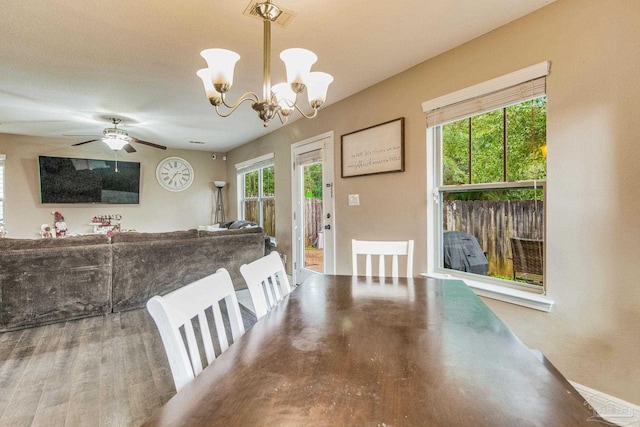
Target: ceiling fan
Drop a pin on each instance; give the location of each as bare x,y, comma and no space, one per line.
118,139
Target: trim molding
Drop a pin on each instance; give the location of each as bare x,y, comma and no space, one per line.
609,409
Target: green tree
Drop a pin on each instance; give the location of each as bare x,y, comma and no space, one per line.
313,181
474,149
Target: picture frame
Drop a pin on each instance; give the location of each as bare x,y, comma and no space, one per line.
373,150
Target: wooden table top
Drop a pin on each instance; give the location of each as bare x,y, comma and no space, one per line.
347,351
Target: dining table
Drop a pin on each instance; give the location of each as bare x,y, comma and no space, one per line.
362,351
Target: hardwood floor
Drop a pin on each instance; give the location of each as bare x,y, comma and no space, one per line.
109,370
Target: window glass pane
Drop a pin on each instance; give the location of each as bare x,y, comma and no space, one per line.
251,184
455,152
268,182
479,228
252,211
526,137
487,147
269,215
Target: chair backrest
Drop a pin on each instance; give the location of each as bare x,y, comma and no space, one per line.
527,256
178,309
382,249
267,281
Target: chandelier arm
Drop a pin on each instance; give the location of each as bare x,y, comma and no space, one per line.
311,116
247,96
283,119
233,107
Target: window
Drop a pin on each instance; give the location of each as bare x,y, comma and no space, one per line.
256,192
2,225
488,151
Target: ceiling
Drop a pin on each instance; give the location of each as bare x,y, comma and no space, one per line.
67,66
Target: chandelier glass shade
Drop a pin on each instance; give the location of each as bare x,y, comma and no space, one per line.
278,100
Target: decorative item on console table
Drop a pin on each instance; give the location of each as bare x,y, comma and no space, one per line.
106,224
60,224
45,231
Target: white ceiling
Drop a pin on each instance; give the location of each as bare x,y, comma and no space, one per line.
66,66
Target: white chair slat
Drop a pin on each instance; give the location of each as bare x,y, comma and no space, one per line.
218,322
205,334
267,281
177,309
381,249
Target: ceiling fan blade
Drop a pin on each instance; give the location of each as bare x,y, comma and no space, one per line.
85,142
150,144
129,149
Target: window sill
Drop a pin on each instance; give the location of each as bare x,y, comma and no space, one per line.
501,293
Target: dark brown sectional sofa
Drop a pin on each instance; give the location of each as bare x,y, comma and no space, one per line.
52,280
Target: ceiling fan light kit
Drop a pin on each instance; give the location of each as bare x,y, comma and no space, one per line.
279,100
117,139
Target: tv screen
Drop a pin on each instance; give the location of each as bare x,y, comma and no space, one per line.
69,180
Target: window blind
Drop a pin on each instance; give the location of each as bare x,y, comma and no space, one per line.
309,157
491,101
255,164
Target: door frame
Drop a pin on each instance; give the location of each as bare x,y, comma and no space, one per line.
325,142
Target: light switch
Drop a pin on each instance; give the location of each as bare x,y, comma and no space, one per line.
354,200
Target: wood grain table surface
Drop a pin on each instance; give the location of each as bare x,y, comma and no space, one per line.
344,351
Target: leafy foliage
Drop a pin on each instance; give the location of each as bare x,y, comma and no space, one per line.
474,149
313,181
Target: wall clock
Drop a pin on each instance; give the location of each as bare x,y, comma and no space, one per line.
174,174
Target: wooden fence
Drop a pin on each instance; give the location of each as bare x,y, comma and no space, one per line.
252,213
493,223
312,221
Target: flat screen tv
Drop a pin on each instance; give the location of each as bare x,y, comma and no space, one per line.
70,180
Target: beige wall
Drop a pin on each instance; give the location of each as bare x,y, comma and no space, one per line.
593,226
159,209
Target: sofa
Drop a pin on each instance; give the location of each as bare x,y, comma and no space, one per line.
48,280
53,280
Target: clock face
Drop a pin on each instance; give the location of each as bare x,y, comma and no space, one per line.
174,174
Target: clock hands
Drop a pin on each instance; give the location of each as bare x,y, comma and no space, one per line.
173,176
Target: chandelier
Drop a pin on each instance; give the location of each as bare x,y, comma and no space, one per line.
278,100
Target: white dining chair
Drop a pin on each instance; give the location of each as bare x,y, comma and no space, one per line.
267,281
381,249
177,310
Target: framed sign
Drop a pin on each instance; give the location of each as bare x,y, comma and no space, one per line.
377,149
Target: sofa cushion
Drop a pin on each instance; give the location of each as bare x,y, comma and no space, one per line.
134,236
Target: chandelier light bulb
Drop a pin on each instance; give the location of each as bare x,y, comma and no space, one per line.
285,97
317,86
212,93
221,63
298,63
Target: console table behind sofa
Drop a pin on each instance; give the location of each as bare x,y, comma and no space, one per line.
52,280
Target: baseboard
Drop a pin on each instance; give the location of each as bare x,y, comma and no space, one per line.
609,409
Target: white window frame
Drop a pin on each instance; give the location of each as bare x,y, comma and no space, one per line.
489,287
258,163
